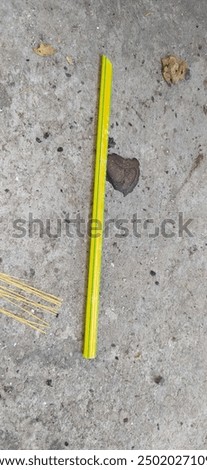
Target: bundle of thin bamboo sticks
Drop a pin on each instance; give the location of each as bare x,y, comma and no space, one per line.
25,309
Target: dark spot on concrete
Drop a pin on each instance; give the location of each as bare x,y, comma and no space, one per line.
38,140
187,74
8,388
113,345
79,91
192,249
205,109
111,143
65,68
152,98
166,171
152,273
157,283
130,124
68,75
32,272
46,135
158,379
199,47
125,420
158,426
57,315
49,382
116,357
117,123
66,444
27,60
6,190
61,190
60,149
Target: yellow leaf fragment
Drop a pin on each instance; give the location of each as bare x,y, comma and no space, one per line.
44,50
174,69
69,60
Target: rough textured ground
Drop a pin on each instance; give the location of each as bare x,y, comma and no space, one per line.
147,387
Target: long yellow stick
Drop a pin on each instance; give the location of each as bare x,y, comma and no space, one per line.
94,275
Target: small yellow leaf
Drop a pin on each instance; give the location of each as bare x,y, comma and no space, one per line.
69,60
44,50
137,355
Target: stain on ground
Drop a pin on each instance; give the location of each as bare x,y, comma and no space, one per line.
174,69
197,162
111,143
5,100
205,109
158,379
123,173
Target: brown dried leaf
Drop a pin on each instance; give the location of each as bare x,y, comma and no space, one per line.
174,69
122,173
44,50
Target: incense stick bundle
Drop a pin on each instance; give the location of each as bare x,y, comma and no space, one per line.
14,295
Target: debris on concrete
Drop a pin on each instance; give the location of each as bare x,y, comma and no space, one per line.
70,60
123,173
174,69
111,143
44,50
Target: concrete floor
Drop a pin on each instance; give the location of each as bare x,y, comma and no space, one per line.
147,388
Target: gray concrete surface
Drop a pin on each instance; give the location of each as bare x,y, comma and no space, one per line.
147,388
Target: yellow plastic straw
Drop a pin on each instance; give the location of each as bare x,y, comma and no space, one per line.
94,275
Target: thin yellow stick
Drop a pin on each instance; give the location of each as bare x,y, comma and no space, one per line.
25,287
20,320
39,320
20,298
94,275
